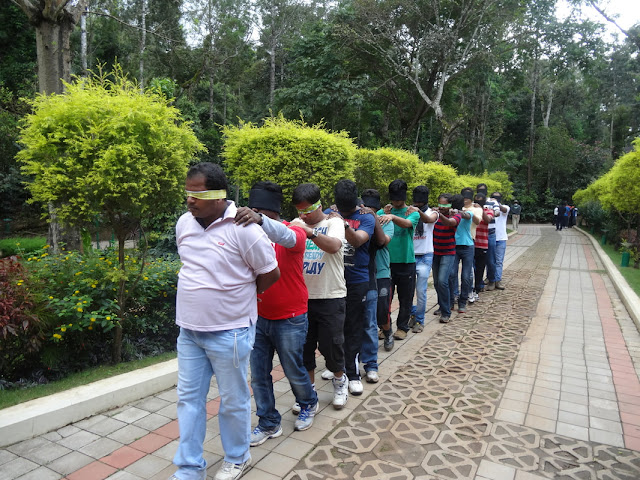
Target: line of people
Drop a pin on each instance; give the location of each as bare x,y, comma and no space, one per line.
324,281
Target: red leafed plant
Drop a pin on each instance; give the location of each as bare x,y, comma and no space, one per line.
19,328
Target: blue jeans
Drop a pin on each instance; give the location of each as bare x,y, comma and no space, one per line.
369,347
287,337
423,269
464,253
501,248
442,265
491,257
201,355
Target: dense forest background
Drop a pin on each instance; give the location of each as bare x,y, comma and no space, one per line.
482,85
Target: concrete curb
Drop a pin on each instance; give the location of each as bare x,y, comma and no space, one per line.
43,415
629,298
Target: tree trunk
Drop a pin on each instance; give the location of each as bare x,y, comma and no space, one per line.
211,95
54,54
83,42
548,111
143,41
54,22
532,128
272,74
116,349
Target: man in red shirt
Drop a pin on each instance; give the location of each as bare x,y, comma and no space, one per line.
282,317
444,250
481,242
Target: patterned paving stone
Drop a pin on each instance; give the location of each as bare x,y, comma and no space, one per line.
383,404
513,456
461,444
516,435
392,450
426,413
372,421
355,440
469,424
377,469
390,390
569,449
330,461
415,431
449,465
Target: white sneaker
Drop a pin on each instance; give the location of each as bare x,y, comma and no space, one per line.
355,387
295,409
231,471
327,375
372,376
340,391
472,297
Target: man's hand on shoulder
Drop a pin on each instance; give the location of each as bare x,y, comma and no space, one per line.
246,216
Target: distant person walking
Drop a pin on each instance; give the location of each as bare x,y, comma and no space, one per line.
516,209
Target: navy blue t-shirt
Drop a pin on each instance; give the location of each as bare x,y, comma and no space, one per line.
356,260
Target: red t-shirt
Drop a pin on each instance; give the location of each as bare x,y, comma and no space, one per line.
287,297
444,237
482,233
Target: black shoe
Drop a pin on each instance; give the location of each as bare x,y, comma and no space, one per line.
412,321
437,312
388,341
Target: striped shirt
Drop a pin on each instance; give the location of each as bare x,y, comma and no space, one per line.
482,233
444,237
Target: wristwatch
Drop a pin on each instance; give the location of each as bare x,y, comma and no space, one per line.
313,235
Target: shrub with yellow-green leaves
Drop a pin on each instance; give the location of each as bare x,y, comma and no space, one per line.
103,148
378,168
287,152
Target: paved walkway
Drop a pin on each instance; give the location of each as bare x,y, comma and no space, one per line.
536,381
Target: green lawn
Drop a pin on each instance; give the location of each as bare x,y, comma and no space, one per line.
631,275
13,397
20,245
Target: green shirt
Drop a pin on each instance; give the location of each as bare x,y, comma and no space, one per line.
401,245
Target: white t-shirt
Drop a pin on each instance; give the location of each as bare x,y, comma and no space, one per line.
423,244
324,272
220,264
501,225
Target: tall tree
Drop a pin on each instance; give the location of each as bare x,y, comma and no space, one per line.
54,21
428,42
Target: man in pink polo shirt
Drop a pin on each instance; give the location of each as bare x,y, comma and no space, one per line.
223,268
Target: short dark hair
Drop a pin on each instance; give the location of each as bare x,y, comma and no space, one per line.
306,192
445,195
457,201
214,177
466,189
398,190
481,187
480,195
345,194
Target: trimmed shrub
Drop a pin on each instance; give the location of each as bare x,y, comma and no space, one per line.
288,153
378,168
